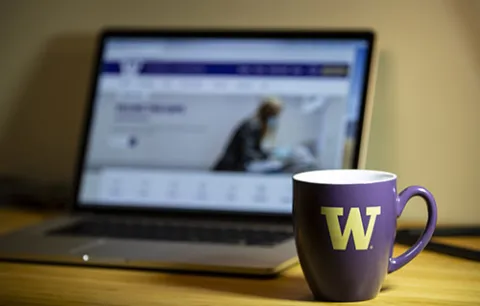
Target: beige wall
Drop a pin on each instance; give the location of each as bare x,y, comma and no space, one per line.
425,121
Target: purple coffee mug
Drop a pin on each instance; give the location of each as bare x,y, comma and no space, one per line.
345,224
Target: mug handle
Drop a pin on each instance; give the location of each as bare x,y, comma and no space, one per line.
396,263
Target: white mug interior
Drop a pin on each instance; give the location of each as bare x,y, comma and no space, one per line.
344,176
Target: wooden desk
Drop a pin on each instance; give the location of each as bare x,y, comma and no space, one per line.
431,279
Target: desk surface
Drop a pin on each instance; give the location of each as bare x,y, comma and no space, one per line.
431,279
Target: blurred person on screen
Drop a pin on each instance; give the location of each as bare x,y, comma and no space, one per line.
248,144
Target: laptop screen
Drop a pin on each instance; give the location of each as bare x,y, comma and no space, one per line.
219,123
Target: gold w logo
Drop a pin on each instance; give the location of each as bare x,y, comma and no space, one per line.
354,226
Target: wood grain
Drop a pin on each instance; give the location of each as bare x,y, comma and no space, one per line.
431,279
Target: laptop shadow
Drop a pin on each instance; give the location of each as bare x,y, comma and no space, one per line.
290,285
40,138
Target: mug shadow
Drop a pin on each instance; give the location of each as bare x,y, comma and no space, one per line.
290,285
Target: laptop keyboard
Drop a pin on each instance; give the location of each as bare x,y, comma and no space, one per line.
173,232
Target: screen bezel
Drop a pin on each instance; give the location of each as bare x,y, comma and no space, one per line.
361,137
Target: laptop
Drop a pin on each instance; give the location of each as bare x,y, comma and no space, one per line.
190,142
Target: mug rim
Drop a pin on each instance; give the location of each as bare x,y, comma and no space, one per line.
344,177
